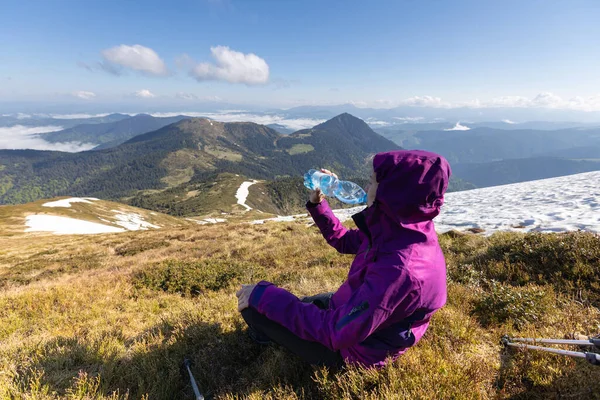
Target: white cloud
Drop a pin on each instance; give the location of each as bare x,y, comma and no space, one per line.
591,103
233,66
76,116
508,121
547,100
409,119
136,57
542,100
237,116
144,94
26,137
376,122
425,101
459,127
82,94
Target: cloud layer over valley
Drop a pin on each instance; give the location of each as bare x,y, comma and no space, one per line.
25,137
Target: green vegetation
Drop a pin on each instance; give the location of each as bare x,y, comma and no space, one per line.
289,196
223,154
193,278
113,133
210,193
5,184
300,148
187,151
568,262
521,305
118,318
457,184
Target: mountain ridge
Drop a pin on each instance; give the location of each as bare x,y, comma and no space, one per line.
174,154
111,134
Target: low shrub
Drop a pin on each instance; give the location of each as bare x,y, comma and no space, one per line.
193,278
519,305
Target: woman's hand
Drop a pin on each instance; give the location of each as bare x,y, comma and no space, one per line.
316,196
243,296
328,172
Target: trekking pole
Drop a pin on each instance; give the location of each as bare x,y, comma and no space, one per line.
592,358
187,363
588,342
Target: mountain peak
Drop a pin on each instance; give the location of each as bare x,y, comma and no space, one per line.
344,121
347,123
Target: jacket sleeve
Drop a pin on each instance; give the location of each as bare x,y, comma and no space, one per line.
345,241
385,290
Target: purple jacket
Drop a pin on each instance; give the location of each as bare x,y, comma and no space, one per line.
397,280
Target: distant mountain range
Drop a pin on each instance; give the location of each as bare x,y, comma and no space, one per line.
189,151
522,170
111,134
180,168
71,121
481,145
470,115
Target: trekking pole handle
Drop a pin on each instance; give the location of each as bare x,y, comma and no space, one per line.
593,358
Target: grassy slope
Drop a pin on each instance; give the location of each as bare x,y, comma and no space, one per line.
12,218
211,196
113,315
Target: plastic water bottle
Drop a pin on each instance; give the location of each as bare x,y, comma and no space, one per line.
345,191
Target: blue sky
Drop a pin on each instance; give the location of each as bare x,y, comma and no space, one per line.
372,53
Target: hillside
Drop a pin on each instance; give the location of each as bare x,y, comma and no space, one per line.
486,156
189,149
481,145
208,194
73,215
521,170
562,204
111,134
112,316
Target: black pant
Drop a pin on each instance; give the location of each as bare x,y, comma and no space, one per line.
311,352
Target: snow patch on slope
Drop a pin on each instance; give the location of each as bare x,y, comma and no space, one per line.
132,221
562,204
459,127
66,226
207,220
67,202
567,203
242,193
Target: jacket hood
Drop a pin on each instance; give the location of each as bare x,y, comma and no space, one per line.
412,184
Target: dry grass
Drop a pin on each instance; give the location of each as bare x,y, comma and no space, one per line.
112,316
12,217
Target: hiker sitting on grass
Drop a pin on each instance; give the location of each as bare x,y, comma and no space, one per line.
397,280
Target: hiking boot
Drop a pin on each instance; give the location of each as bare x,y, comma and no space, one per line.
258,337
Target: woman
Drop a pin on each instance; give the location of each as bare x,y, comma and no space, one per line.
397,280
